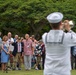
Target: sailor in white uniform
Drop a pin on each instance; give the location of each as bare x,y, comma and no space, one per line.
57,44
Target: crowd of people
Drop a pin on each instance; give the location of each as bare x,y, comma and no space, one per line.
18,51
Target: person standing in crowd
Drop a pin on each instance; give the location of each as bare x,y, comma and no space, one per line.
22,38
15,38
38,53
43,54
11,40
0,48
57,45
28,52
33,39
5,53
17,52
34,42
74,55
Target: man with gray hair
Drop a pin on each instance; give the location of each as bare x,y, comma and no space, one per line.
11,47
28,52
57,45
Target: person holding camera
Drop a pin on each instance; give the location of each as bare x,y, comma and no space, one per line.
57,45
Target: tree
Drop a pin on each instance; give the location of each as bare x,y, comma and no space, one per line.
29,16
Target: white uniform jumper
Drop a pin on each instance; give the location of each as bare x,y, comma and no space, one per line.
57,44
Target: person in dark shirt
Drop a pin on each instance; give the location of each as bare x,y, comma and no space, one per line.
43,55
17,52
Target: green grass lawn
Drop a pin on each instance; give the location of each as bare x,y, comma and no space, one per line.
32,72
73,72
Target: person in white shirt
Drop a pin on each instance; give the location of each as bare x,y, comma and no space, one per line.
57,44
10,40
11,48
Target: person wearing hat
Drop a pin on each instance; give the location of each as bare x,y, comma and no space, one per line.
57,45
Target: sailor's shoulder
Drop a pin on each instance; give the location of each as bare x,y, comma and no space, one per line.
44,34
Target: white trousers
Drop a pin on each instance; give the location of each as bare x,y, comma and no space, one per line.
27,61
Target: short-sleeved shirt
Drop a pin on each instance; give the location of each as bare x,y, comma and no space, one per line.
11,47
28,47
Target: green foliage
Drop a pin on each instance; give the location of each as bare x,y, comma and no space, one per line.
29,16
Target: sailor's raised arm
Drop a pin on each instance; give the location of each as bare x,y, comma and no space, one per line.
71,35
